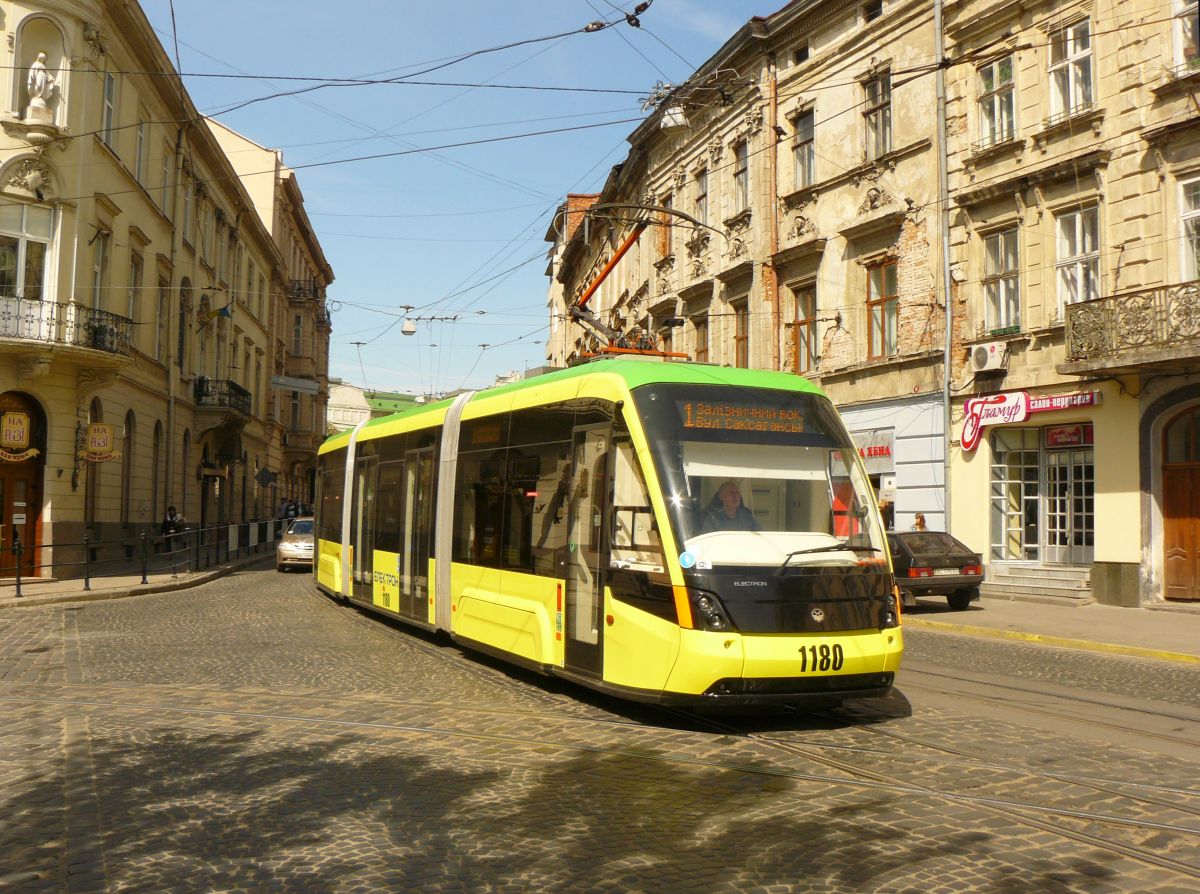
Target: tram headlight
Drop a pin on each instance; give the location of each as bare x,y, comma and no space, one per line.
709,612
890,616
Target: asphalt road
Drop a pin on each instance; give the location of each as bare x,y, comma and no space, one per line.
251,735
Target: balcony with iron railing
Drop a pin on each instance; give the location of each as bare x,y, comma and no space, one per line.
1136,331
64,323
304,289
221,394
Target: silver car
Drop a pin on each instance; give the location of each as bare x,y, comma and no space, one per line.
296,546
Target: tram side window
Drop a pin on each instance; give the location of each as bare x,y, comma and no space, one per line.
480,492
333,479
635,537
390,507
536,537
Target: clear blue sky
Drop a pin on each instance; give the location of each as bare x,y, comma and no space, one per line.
457,233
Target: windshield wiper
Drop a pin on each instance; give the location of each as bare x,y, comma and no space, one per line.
835,547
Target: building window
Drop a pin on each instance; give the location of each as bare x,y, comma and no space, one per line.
298,335
1187,41
1015,475
700,207
167,180
95,414
804,329
700,338
127,471
877,115
139,154
258,297
741,335
108,118
24,242
99,267
804,153
882,309
188,199
295,408
156,465
664,227
1071,70
997,102
872,10
160,329
800,54
1001,281
1078,256
135,286
1191,229
185,472
741,177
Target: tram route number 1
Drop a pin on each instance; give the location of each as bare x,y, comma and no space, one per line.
821,658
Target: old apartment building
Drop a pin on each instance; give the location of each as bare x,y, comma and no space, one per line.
1075,176
804,149
807,149
143,292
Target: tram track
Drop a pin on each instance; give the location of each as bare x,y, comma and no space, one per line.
854,774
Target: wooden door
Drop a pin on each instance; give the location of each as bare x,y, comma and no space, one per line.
19,507
1181,532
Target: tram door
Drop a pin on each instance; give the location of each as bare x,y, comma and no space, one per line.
587,551
417,548
362,521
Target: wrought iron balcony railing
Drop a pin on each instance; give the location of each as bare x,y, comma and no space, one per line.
63,323
221,393
304,288
1166,317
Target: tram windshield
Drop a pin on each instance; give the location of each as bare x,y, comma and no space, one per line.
759,477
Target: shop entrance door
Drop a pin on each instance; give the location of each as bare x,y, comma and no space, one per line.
1070,506
19,504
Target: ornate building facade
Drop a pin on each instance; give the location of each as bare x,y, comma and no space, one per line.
1075,181
139,296
1057,428
803,156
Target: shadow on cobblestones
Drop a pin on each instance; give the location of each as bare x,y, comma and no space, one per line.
301,810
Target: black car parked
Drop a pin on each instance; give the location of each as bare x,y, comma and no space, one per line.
932,563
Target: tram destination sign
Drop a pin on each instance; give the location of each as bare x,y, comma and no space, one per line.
740,416
1015,406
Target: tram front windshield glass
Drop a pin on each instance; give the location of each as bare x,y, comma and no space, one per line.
759,477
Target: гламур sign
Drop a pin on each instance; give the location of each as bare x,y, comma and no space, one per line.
1015,406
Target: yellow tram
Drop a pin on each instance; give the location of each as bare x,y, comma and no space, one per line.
669,533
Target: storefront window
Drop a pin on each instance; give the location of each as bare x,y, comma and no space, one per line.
1014,495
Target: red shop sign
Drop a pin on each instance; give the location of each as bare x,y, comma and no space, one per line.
1075,435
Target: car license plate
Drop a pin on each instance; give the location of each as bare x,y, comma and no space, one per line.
938,571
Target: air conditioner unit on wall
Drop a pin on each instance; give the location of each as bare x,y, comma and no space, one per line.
990,355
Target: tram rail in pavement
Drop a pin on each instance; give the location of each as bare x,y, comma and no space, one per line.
1163,632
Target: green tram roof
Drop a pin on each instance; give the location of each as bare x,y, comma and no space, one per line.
634,372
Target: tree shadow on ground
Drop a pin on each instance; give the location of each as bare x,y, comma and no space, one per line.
304,810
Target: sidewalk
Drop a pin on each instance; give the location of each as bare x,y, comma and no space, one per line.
39,591
1166,632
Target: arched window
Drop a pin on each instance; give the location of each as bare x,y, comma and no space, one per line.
156,470
127,470
184,472
95,414
1181,438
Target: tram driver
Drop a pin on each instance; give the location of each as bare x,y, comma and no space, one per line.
727,512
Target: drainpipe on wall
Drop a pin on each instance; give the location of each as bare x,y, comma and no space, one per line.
944,226
770,274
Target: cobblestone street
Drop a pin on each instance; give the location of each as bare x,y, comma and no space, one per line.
251,735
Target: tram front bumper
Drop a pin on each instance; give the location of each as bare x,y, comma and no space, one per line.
729,668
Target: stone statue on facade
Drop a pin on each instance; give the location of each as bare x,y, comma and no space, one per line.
41,86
